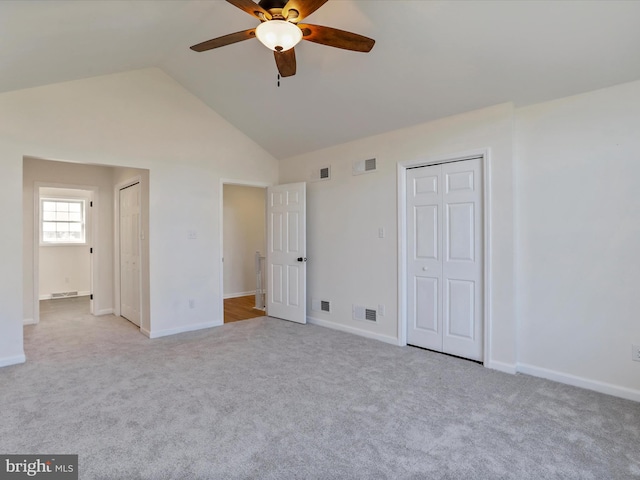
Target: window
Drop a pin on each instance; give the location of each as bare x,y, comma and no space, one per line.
62,221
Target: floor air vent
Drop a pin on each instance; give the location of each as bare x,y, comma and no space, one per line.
64,294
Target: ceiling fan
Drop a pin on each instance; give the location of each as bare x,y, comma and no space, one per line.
280,31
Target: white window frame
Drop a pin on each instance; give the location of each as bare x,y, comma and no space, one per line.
50,198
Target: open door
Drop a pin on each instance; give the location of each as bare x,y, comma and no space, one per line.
130,253
286,252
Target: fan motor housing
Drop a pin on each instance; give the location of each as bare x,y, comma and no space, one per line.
269,4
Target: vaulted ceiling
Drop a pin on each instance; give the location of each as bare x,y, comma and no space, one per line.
431,59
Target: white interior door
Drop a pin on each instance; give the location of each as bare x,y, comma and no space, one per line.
444,260
286,252
130,253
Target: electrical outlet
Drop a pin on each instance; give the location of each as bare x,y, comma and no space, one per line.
635,353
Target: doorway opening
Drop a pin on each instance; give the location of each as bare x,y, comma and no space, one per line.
244,246
74,204
64,240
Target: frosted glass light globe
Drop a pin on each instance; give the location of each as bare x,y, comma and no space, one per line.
279,35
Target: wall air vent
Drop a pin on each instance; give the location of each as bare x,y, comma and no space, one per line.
319,174
364,166
364,313
321,305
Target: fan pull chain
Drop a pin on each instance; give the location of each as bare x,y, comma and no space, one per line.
278,80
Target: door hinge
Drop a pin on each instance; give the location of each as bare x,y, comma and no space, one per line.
91,204
91,297
91,250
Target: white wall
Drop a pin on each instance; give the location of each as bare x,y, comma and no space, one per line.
244,233
140,119
64,269
578,211
349,264
573,314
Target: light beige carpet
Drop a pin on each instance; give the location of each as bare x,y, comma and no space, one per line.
269,399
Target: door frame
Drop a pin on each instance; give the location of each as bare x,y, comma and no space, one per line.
116,246
92,243
239,183
402,237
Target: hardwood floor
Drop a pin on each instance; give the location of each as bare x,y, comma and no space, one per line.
240,308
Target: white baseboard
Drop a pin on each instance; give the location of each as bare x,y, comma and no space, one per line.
173,331
104,311
29,321
5,362
356,331
511,368
595,385
47,296
239,294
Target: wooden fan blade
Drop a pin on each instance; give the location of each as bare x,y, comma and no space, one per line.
336,38
286,62
303,7
251,8
225,40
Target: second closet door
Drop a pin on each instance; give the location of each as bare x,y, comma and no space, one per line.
444,258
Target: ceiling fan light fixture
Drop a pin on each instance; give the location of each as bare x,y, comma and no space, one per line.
279,35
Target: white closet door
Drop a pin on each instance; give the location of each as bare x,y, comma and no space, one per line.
445,264
130,253
462,268
424,252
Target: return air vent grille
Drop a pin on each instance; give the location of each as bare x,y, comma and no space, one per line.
369,164
364,166
364,313
321,305
321,174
